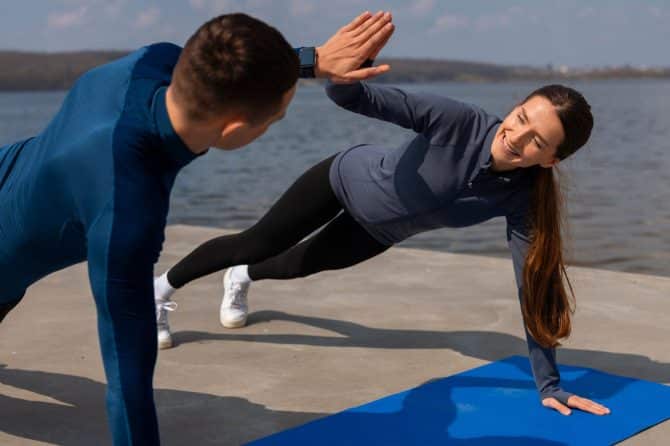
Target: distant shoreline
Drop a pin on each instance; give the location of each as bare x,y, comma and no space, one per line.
25,71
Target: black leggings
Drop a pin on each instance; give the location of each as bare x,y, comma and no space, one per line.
271,247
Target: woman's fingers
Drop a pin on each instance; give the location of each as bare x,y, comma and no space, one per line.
366,73
355,23
576,402
383,43
379,41
553,403
365,24
587,405
373,29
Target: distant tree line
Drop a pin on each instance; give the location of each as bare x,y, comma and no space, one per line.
48,71
434,70
58,71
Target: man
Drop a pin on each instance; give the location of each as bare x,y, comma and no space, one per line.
95,184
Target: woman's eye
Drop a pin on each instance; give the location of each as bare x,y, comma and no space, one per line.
520,118
537,144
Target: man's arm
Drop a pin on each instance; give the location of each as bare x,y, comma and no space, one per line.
124,242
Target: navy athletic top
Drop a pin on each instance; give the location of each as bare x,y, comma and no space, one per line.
95,185
439,178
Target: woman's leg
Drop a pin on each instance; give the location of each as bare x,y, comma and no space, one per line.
341,244
306,206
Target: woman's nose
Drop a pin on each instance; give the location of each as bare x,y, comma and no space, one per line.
515,139
519,137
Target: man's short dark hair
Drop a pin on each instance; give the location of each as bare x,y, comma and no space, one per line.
234,62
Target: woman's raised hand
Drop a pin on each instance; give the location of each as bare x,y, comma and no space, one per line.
340,58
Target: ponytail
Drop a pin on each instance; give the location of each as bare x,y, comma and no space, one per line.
546,305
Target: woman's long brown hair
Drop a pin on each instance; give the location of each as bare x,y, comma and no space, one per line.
546,305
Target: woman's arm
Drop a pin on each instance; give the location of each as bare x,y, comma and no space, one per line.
542,360
429,114
424,113
341,57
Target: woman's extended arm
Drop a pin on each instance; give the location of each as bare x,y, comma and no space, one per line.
543,360
429,114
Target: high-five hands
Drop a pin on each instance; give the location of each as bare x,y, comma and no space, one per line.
341,57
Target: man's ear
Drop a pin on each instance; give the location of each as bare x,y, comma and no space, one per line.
232,127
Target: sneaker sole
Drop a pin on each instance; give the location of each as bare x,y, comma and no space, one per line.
234,324
165,344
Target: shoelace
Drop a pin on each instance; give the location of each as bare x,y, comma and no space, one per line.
238,293
165,306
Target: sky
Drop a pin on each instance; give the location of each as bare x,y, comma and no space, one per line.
528,32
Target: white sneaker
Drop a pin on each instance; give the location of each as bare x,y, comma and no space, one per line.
234,306
164,335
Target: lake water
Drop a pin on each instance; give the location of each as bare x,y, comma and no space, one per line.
617,187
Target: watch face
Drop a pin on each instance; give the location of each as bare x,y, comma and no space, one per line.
307,55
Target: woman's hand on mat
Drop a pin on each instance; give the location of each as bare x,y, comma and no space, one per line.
576,402
340,58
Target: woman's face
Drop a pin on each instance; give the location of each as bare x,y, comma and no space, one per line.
528,136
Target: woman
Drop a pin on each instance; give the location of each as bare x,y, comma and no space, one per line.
463,167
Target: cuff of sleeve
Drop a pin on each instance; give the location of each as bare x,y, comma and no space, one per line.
343,94
560,394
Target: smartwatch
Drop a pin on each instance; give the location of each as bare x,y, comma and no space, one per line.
307,56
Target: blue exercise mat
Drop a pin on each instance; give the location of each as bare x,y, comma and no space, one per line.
496,404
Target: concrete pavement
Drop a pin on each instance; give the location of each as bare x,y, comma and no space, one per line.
313,346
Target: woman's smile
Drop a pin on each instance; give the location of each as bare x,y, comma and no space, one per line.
509,149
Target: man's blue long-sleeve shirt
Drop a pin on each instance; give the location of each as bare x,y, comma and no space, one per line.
439,178
95,185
